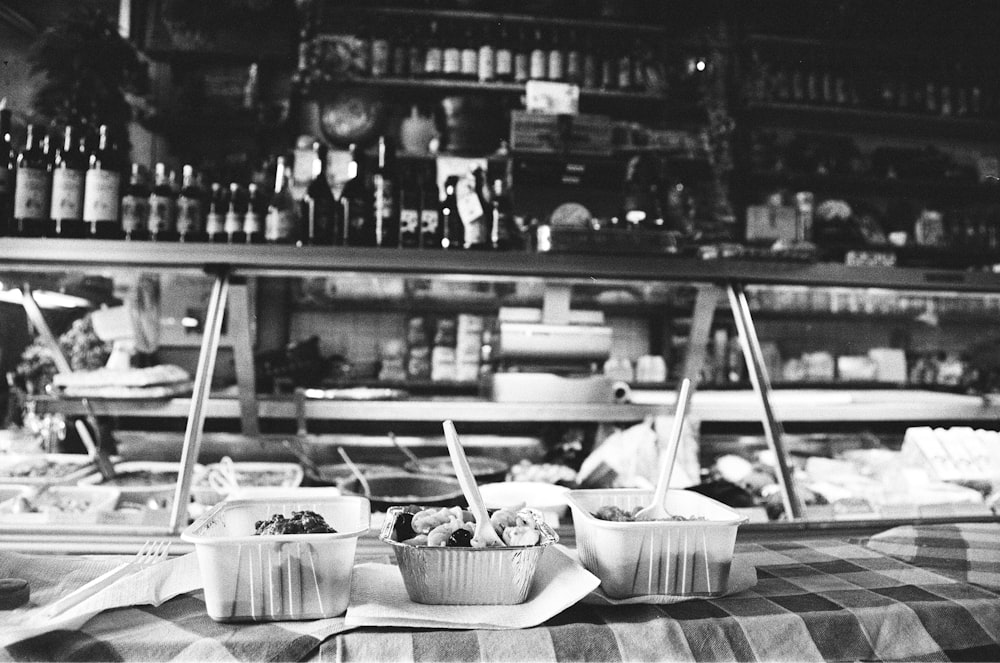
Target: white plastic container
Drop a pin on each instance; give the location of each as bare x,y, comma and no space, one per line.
277,577
674,557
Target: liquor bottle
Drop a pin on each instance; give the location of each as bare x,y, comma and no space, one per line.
626,63
556,58
399,60
522,57
433,53
68,171
452,230
473,210
32,187
162,207
503,59
608,79
386,196
135,205
451,54
504,234
469,55
282,222
356,203
573,63
486,57
415,55
215,220
430,212
8,164
538,63
591,67
191,224
232,225
409,213
319,207
102,189
253,221
381,52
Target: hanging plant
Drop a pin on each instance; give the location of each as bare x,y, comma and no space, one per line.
93,76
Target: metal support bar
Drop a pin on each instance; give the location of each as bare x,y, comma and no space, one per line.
240,323
705,303
773,430
199,399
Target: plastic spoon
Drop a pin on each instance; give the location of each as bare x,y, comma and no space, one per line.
484,535
356,471
656,510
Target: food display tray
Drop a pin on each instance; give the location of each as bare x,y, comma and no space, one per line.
44,469
61,505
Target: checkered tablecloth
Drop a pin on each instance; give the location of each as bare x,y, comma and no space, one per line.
814,600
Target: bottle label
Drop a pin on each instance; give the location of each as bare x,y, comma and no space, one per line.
470,62
279,225
233,223
135,213
31,194
161,214
487,63
101,197
538,68
432,60
429,222
503,63
409,226
251,223
67,194
470,211
215,223
451,61
555,65
188,215
521,67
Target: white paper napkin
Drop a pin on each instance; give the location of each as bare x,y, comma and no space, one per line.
53,576
378,598
742,576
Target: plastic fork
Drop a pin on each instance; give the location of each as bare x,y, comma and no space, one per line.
149,554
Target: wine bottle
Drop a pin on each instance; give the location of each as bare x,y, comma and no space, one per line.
504,233
215,220
191,223
451,55
235,213
469,56
487,56
69,167
430,212
135,205
282,223
538,64
433,53
8,164
356,203
409,213
503,61
452,230
162,207
385,196
319,208
472,210
253,220
32,187
102,189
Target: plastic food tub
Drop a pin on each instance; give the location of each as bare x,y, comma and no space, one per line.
674,557
277,577
467,576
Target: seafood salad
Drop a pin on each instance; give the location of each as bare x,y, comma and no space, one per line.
455,527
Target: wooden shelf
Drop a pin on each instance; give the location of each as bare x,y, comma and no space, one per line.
842,119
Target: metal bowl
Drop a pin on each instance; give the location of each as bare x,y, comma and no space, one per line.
403,488
484,468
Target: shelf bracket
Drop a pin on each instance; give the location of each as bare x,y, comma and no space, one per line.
773,430
199,398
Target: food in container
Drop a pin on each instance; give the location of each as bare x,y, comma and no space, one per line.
461,575
274,577
225,478
59,504
44,469
691,556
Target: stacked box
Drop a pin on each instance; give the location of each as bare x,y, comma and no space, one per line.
468,347
443,352
418,361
